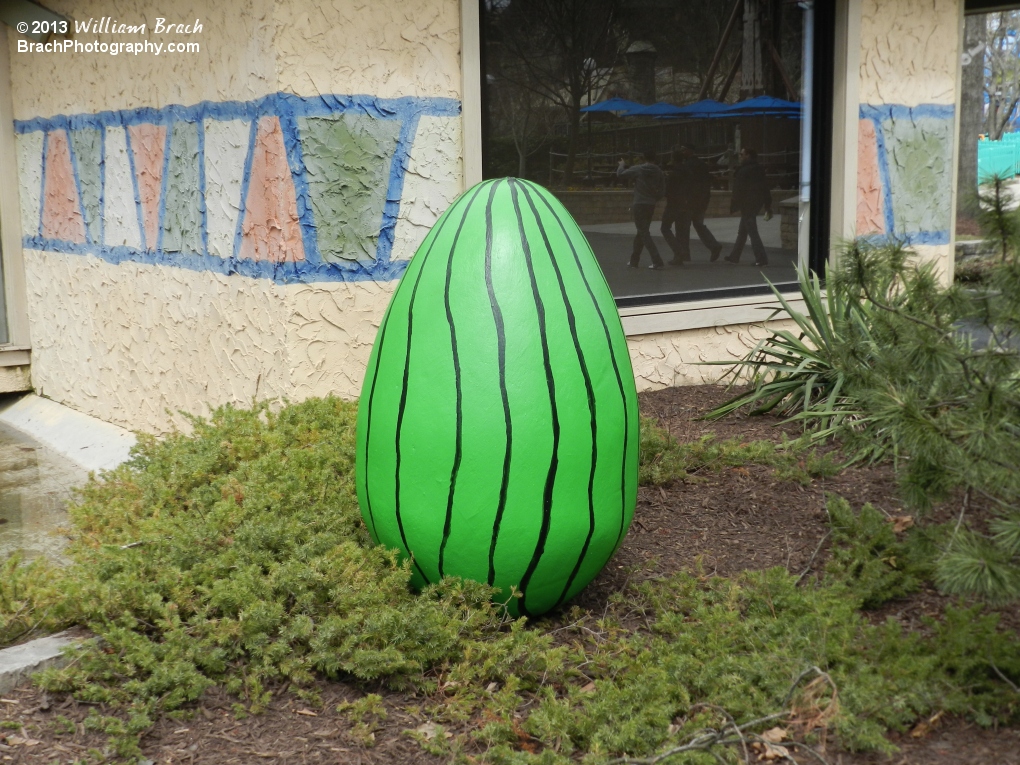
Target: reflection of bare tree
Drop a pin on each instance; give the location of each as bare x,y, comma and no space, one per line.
545,45
1002,60
525,117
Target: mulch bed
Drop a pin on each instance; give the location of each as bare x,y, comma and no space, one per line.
719,523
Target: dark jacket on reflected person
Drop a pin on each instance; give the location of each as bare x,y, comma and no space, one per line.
750,189
689,185
650,182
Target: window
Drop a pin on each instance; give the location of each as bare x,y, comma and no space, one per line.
14,335
989,132
732,103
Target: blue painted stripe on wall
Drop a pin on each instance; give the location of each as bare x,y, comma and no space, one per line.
201,189
271,105
281,273
102,186
920,237
253,131
879,113
42,181
77,186
292,143
901,112
288,108
883,171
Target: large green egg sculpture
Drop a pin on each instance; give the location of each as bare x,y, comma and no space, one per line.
498,422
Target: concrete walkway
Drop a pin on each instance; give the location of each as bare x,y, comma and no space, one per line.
46,450
87,441
19,662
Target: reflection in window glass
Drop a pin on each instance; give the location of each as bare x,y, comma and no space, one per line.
675,131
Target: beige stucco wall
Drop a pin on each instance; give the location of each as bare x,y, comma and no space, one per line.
248,48
15,379
670,359
389,49
137,343
908,90
909,51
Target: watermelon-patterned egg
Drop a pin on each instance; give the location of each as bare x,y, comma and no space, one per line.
498,422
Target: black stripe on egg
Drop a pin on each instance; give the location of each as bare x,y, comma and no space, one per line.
406,378
375,378
592,406
616,367
458,393
550,479
497,318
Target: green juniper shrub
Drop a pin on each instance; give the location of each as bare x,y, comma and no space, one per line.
364,714
739,645
236,557
31,601
664,459
869,558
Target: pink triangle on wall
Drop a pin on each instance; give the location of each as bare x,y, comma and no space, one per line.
147,145
870,214
61,216
271,229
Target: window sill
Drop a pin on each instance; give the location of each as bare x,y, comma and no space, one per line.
14,356
721,312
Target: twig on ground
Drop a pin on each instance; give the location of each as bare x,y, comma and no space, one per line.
1006,680
810,750
707,739
812,559
806,673
733,724
703,741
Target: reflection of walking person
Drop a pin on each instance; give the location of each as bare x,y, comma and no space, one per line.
648,189
688,191
729,159
750,194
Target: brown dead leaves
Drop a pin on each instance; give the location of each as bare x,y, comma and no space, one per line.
769,748
924,727
23,740
901,523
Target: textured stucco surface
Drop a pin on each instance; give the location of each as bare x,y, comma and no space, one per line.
133,343
909,51
907,149
139,339
385,48
15,379
432,182
667,359
237,60
920,172
870,214
347,163
129,342
120,213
